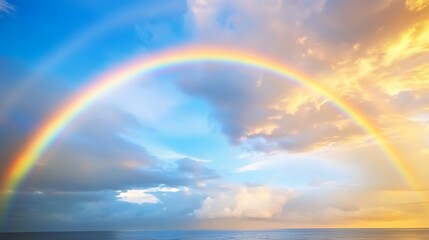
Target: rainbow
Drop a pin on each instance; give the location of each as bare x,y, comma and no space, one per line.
105,83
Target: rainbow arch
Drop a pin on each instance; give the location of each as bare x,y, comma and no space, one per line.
49,130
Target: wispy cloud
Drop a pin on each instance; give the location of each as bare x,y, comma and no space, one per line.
6,7
252,167
416,5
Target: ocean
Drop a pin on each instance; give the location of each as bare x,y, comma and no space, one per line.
287,234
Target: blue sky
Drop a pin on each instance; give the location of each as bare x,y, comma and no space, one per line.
213,145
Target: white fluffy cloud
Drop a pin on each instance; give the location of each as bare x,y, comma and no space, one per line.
262,202
140,196
137,197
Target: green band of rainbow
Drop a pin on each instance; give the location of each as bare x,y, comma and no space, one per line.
105,83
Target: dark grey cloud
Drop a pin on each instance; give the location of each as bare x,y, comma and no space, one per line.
195,169
91,154
245,102
74,184
96,210
237,101
94,156
73,168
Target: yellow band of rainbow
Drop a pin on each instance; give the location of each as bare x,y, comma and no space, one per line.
110,80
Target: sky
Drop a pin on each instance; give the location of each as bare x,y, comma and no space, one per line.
215,145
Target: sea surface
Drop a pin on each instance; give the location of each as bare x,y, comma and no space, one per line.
288,234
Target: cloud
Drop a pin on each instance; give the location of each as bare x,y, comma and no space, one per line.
373,54
195,168
411,43
97,210
252,167
367,52
140,196
416,5
324,204
6,7
137,196
17,122
255,108
337,205
261,202
128,167
75,184
89,148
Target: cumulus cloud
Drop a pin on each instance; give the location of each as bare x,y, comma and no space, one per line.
137,196
140,196
323,204
262,202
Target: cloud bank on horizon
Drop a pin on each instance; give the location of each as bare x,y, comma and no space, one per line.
210,145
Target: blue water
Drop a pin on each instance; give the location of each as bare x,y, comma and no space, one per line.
289,234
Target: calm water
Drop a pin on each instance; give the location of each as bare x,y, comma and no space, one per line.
290,234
